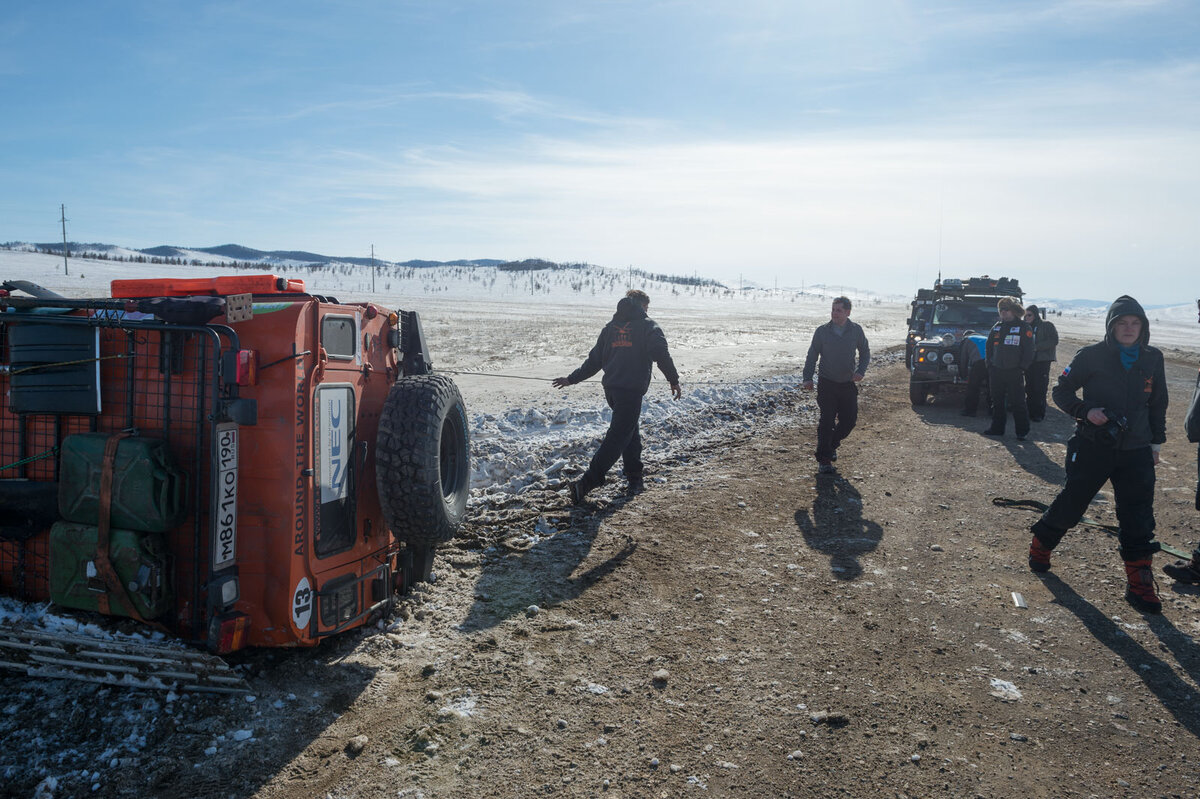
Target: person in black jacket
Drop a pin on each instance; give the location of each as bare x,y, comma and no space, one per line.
1188,571
626,350
1037,376
1009,353
1121,423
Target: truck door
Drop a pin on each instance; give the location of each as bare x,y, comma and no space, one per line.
335,435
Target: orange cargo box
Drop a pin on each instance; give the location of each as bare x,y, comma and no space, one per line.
217,286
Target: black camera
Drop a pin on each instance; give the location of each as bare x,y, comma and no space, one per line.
1108,434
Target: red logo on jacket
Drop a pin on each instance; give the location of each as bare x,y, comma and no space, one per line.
622,338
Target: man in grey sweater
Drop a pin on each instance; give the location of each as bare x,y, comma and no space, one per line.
834,345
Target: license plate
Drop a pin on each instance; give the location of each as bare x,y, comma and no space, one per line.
225,501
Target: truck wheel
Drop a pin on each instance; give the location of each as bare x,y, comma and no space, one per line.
917,392
422,467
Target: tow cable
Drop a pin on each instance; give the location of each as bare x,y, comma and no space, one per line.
1111,529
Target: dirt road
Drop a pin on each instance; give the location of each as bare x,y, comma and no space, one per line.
748,629
745,628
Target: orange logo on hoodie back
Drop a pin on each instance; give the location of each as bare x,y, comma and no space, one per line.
622,339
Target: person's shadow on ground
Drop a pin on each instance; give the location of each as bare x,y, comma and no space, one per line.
1175,694
543,574
835,526
1057,426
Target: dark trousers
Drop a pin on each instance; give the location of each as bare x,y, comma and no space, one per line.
977,386
838,403
1089,466
623,439
1008,394
1037,380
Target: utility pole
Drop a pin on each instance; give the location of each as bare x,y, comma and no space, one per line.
372,268
66,271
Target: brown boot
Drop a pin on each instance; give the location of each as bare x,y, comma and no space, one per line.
1141,593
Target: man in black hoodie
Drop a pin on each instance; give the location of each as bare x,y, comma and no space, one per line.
1120,424
626,350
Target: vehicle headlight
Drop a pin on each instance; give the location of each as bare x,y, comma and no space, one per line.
948,358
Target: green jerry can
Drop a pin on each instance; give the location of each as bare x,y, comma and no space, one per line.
139,559
148,493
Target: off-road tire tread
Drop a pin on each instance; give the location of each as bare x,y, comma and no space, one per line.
917,392
407,468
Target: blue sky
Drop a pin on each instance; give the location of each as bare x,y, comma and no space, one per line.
855,143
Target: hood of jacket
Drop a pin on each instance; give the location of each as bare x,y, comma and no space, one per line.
628,309
1125,306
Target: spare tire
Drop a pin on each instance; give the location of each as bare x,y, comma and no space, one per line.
422,465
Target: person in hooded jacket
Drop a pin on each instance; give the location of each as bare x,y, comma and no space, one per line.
1037,376
1188,571
626,350
1120,424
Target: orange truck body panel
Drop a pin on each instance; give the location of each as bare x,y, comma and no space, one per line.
309,546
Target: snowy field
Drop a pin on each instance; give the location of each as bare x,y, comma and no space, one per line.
505,335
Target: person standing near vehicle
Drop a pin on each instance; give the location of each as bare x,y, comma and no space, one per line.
1009,353
626,350
1120,424
834,345
1037,376
973,357
1188,571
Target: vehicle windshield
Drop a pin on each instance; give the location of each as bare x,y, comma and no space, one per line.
965,314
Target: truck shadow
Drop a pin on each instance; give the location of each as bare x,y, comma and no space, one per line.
1174,694
545,574
835,526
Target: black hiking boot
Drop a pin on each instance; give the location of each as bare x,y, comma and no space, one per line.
1184,571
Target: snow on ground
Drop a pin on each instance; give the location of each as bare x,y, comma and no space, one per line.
503,336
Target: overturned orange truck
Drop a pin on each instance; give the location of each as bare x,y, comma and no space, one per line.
234,460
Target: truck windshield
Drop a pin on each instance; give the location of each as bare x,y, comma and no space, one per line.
964,314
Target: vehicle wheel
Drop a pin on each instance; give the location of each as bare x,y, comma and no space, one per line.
917,392
422,466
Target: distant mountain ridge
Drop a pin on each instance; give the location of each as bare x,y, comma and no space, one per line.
236,256
238,252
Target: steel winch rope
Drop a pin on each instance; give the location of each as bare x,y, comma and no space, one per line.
66,363
47,454
550,379
1111,529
